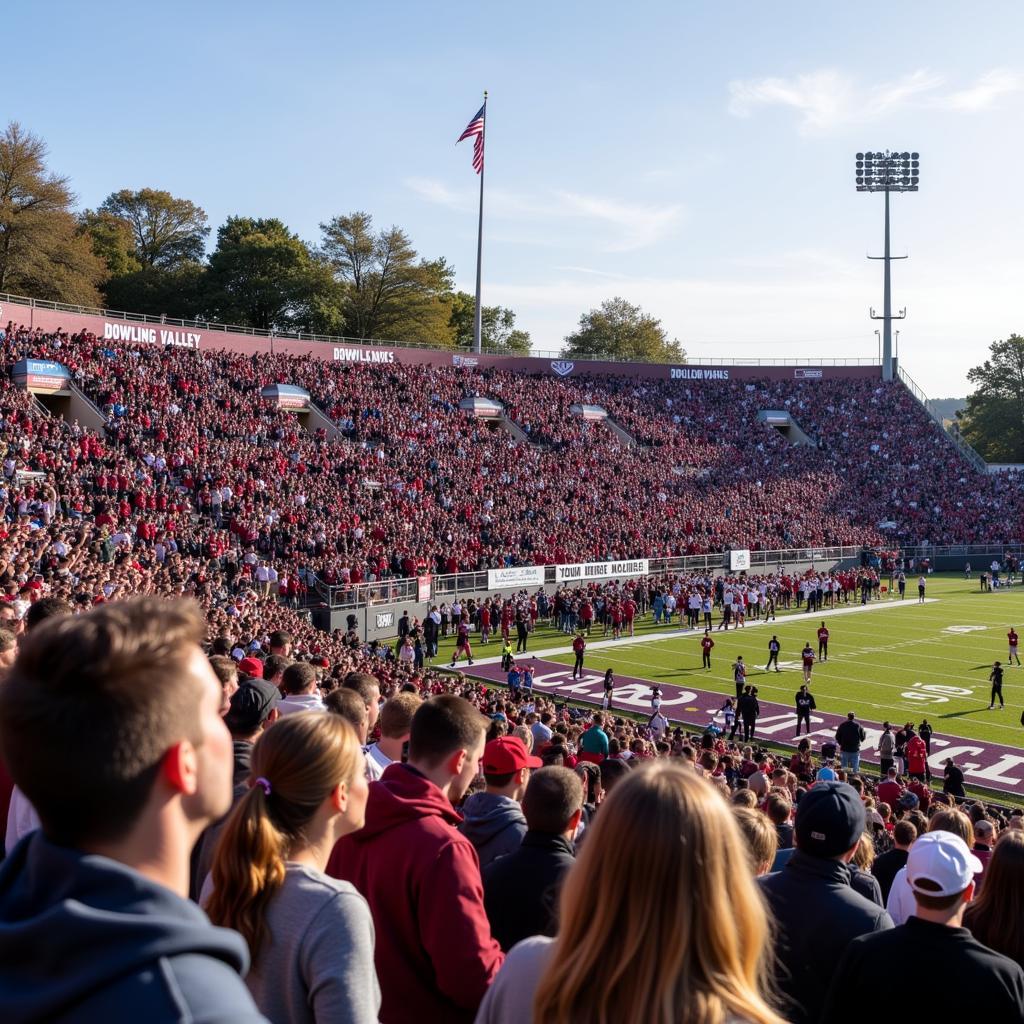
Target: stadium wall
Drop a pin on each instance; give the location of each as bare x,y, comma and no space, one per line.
138,332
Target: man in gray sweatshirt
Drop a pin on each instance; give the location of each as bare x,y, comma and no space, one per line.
493,820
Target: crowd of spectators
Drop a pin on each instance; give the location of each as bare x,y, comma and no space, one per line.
374,839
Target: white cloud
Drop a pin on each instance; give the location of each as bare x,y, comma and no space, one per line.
622,226
830,99
984,93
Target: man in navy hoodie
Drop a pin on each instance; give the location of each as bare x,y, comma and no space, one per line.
110,725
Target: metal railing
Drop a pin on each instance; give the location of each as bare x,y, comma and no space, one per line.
197,323
358,595
954,439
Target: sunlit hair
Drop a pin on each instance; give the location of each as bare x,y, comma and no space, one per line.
661,921
994,916
301,759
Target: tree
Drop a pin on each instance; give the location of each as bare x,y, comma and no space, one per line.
165,231
177,293
263,275
620,330
42,251
993,421
389,292
497,327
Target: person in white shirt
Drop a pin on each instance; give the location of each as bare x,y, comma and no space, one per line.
395,724
299,682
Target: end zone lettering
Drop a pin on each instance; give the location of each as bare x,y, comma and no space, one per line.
362,355
697,373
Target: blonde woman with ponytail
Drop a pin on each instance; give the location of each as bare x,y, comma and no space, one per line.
660,919
310,936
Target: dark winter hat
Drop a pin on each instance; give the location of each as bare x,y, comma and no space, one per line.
829,819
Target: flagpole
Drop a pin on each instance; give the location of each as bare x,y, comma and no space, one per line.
477,316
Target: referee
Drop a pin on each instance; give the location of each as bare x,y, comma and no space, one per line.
996,678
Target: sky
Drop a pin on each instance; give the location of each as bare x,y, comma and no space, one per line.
695,158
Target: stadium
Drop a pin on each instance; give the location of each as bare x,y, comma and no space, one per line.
364,661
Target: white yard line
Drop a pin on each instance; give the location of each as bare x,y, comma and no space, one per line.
676,634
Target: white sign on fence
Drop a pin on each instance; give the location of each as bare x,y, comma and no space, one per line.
739,561
515,576
583,572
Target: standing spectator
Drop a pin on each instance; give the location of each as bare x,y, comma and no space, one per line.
493,820
994,917
739,677
823,642
849,736
953,779
886,755
916,752
609,691
125,690
749,710
829,823
995,677
521,889
310,936
984,841
987,985
706,643
434,946
773,654
299,683
762,839
594,741
665,874
368,688
890,790
887,865
395,723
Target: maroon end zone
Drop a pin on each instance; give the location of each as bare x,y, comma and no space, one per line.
990,765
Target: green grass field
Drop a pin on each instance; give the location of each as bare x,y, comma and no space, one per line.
896,663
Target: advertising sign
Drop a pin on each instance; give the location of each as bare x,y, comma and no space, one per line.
515,576
583,572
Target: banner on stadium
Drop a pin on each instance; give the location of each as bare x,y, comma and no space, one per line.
423,587
582,572
515,576
739,561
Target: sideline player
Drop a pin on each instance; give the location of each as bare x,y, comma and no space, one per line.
807,657
579,645
823,642
462,643
773,654
1012,639
706,643
996,679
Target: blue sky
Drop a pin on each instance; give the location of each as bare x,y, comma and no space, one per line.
696,158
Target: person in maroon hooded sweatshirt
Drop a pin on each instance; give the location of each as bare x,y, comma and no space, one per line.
435,955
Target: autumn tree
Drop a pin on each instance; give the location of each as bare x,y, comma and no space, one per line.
388,290
43,252
993,420
620,330
498,331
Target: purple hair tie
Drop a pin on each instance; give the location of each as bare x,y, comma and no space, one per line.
265,783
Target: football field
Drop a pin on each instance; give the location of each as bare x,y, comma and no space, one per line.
890,660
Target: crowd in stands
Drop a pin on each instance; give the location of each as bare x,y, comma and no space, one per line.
217,812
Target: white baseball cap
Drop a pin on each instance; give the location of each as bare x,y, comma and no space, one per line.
943,862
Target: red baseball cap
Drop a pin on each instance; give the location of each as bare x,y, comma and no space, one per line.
251,667
508,754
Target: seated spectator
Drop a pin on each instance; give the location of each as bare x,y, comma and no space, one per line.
124,689
888,864
761,836
493,820
983,985
434,946
521,889
829,825
984,841
310,936
301,692
994,917
666,875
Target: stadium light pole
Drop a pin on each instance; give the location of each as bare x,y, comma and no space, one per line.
887,172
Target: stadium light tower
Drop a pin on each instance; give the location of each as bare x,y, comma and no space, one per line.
887,172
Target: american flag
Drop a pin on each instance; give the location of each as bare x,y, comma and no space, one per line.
475,130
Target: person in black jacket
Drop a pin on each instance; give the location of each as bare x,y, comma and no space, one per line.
985,985
749,711
521,888
887,864
829,823
850,735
